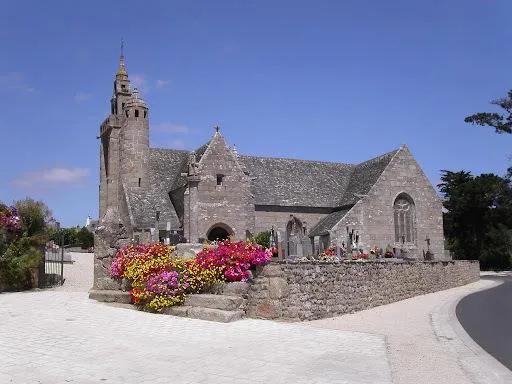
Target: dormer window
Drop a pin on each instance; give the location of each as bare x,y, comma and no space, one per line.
220,179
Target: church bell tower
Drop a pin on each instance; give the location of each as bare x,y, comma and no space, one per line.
124,147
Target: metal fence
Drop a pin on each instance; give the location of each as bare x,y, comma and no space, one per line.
51,268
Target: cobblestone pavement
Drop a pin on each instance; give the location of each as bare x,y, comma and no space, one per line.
60,336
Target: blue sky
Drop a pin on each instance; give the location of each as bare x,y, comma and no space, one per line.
325,80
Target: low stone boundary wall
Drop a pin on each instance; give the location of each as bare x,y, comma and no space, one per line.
314,290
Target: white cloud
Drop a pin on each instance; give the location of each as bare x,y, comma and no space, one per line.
51,177
81,97
170,128
177,144
15,81
162,83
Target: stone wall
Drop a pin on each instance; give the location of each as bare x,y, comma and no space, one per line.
108,238
315,290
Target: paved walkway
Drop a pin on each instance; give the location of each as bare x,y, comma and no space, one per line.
60,336
425,341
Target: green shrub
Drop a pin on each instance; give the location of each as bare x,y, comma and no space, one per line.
17,261
263,239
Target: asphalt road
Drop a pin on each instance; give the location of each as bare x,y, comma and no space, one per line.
487,318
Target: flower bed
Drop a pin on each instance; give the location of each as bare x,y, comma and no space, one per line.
160,280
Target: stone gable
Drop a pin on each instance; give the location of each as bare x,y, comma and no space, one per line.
224,195
373,216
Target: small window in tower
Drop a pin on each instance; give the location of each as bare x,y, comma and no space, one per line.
220,179
127,114
136,113
122,105
139,181
123,86
145,114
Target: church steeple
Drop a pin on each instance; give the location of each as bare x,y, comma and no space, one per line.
121,72
122,91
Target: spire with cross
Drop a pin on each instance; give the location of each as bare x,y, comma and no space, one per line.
121,72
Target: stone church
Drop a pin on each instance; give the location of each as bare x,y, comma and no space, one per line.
215,192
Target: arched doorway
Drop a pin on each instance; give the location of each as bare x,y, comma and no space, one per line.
219,232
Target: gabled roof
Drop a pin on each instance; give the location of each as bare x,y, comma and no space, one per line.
181,181
274,181
363,177
289,182
329,221
164,168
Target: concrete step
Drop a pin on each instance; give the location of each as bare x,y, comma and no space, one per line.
210,314
208,300
110,296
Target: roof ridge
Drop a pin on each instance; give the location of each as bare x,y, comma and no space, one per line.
293,159
390,153
168,149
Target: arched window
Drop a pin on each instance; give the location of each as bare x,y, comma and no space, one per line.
405,219
294,235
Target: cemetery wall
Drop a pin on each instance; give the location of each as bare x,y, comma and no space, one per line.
313,290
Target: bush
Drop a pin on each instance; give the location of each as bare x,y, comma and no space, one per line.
17,262
499,256
233,258
23,231
263,239
160,280
35,216
73,236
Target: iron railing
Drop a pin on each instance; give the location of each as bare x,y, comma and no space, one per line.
51,267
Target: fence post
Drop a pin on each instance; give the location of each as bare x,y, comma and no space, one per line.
42,268
62,261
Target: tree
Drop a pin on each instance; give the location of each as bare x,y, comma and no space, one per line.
23,231
501,122
478,217
73,236
85,238
35,218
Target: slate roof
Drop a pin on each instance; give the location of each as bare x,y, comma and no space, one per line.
327,222
181,181
363,177
289,182
165,166
274,181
